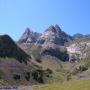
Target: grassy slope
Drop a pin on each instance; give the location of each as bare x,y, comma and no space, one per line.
76,85
62,71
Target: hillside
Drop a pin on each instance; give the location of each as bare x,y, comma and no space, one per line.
16,67
67,56
8,48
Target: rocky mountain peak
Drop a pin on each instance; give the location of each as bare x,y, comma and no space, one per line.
27,31
51,29
54,35
57,27
54,29
28,37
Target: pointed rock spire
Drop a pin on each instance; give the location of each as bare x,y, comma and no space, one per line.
27,31
57,27
28,37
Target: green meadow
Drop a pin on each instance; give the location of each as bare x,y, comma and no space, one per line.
75,85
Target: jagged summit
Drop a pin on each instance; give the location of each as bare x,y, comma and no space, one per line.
51,28
28,37
54,29
27,31
54,35
57,28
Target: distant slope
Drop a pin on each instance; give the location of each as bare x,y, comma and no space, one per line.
80,36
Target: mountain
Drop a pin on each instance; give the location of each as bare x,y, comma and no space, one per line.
17,67
68,57
29,37
49,40
80,36
54,35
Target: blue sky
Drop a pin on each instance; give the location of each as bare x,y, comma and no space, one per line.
73,16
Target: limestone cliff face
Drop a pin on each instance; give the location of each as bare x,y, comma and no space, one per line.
78,51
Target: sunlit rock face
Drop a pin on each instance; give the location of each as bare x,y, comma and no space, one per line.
54,35
78,51
29,37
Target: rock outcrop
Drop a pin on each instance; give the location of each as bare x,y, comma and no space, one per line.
78,51
29,37
54,35
49,40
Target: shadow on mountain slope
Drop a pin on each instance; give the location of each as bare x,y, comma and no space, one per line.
8,48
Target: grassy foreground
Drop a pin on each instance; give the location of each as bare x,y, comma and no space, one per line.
76,85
